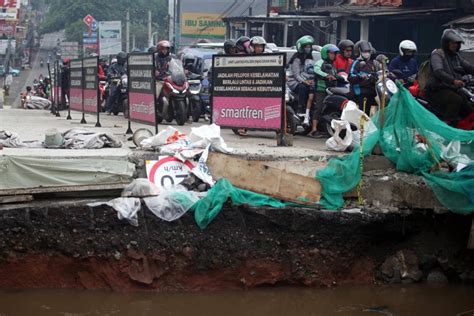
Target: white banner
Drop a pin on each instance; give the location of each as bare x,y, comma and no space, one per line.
110,37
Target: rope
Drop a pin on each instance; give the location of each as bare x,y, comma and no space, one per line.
362,122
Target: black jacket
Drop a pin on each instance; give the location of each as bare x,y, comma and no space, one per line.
447,67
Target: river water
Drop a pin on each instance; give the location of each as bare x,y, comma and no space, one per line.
365,301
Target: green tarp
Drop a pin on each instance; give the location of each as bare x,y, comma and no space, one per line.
413,139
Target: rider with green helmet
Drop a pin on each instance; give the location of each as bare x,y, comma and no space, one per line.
325,77
301,74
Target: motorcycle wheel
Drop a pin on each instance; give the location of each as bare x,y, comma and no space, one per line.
291,125
125,108
159,118
327,124
179,107
195,110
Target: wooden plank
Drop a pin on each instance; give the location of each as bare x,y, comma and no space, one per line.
63,189
15,199
257,176
470,243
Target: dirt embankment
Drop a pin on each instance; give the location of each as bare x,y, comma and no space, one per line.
242,248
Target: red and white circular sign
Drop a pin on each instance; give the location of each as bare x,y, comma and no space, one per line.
168,172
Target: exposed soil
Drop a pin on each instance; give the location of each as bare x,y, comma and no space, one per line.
242,248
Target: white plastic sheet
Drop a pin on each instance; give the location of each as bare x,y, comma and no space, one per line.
171,204
140,188
336,142
127,208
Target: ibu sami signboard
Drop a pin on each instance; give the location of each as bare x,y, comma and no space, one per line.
141,88
249,91
168,171
75,91
91,84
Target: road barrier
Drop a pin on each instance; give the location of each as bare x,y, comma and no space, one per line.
141,89
249,91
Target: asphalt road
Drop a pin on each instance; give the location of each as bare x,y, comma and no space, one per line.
27,76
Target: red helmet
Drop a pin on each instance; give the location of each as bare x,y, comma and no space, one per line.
66,61
163,44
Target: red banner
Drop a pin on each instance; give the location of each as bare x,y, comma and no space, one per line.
8,28
8,3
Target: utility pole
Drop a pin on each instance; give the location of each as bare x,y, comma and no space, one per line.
127,31
150,39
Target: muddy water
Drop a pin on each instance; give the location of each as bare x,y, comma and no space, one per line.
366,301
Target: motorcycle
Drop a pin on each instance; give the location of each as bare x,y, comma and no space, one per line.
122,101
103,93
338,97
172,100
194,98
467,91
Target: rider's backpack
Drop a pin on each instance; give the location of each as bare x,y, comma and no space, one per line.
425,74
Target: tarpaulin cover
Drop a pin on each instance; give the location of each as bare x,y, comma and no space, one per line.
414,140
26,172
206,209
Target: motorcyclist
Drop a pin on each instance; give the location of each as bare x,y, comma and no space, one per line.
300,79
343,61
258,45
65,81
162,58
103,68
115,71
404,66
193,64
41,62
448,68
325,77
243,45
230,47
361,77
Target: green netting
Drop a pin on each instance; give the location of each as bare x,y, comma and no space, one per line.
206,209
413,139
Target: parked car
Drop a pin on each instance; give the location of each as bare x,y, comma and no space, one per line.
14,72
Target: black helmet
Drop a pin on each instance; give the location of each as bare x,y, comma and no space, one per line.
189,59
345,44
152,49
121,57
228,45
365,46
243,44
451,35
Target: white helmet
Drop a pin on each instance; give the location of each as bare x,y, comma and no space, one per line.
406,45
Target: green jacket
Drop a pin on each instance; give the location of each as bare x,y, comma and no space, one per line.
322,69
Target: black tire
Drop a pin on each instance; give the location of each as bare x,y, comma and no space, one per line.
125,108
327,124
159,119
291,125
180,113
195,110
